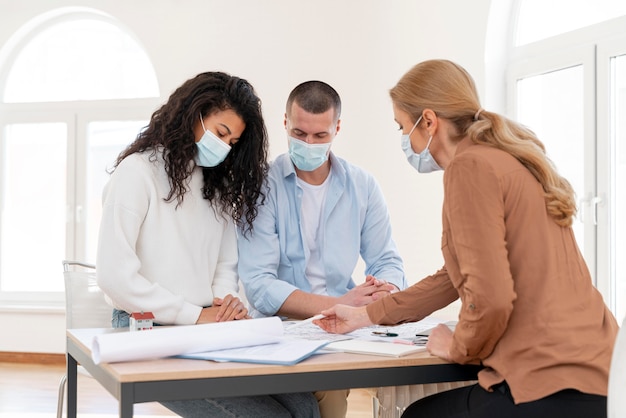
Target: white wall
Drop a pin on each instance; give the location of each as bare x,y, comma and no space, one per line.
361,47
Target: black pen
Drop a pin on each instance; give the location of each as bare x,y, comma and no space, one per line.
385,333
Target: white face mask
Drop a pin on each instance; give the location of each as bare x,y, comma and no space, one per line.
422,162
307,157
211,149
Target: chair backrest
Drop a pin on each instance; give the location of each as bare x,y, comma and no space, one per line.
617,376
85,306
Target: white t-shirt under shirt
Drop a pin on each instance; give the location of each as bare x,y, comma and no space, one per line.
312,219
156,257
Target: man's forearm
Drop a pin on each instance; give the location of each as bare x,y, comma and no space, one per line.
302,305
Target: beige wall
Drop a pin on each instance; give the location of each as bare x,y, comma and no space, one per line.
361,47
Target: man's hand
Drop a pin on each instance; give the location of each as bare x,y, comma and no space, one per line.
369,291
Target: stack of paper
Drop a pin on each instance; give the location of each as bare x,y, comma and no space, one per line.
230,340
395,341
287,352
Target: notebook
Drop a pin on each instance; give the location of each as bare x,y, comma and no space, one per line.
377,348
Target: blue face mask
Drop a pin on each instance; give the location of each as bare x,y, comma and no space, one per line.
307,157
422,162
211,149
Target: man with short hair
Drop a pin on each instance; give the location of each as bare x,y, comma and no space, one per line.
319,215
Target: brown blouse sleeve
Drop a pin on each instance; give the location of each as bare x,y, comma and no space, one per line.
414,303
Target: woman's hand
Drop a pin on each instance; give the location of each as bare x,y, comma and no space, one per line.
440,342
228,309
341,319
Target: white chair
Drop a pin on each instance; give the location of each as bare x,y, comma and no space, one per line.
616,401
85,307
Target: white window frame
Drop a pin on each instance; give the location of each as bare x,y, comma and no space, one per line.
606,251
76,115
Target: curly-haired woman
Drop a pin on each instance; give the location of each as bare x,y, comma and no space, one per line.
167,240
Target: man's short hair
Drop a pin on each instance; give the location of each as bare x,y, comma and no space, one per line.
315,97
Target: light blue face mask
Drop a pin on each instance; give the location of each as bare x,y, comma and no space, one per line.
211,149
307,157
422,162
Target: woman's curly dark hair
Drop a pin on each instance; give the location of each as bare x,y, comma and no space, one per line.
234,186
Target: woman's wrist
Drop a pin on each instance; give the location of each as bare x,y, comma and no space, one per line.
363,317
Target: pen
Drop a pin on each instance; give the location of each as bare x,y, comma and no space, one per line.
305,321
384,333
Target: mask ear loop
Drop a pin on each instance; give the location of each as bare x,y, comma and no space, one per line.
428,144
416,123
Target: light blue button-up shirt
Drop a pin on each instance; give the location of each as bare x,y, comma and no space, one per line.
273,258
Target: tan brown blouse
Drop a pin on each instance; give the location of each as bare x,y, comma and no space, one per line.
530,313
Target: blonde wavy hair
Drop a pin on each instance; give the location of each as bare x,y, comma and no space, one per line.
447,89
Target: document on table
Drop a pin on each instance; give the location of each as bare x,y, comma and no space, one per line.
379,348
262,340
288,351
396,340
185,339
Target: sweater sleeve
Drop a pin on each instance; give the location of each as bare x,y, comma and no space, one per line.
226,278
126,200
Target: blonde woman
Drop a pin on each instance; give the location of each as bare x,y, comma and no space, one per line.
529,311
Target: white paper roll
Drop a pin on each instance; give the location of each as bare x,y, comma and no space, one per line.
171,341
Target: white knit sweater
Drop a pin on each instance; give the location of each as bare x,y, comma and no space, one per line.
155,257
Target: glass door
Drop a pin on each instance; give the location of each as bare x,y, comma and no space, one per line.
554,96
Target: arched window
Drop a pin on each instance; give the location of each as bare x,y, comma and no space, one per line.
539,19
75,88
81,59
566,78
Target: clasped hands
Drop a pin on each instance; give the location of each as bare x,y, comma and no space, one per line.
369,291
230,308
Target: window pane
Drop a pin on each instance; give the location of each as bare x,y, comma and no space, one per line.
540,19
618,180
33,207
551,104
81,60
105,141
